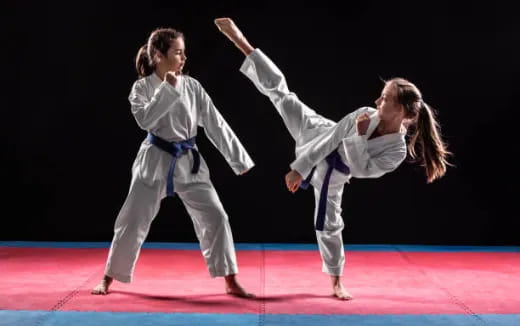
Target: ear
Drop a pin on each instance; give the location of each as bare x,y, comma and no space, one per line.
158,56
402,110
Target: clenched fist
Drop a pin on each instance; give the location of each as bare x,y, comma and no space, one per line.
362,123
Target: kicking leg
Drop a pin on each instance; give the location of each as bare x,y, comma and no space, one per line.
270,81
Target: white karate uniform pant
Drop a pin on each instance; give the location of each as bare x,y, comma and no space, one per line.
302,122
142,205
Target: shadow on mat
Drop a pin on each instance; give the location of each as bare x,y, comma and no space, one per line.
209,298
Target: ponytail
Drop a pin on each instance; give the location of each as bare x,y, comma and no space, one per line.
426,143
142,62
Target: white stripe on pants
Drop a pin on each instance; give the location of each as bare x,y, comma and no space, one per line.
298,119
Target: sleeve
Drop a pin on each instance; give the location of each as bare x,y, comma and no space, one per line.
362,165
148,111
317,150
221,135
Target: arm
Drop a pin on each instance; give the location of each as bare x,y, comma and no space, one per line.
222,136
148,111
362,165
316,150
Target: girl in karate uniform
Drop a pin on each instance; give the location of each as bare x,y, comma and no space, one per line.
366,143
171,106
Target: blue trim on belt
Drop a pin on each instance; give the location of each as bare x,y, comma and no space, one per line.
176,149
334,162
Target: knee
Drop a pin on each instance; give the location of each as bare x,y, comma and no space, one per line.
333,226
284,99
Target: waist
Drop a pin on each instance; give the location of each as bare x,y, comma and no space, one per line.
174,147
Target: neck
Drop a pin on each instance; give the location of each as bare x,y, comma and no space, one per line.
388,127
160,72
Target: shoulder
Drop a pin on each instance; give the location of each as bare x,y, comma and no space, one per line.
191,82
358,111
141,83
194,86
366,109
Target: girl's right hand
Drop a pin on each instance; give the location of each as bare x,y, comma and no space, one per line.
171,78
362,123
293,180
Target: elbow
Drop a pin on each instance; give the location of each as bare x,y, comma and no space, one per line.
143,122
367,171
367,174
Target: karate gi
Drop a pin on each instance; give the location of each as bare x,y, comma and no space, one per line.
316,137
174,114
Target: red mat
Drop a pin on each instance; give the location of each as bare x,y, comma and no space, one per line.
286,282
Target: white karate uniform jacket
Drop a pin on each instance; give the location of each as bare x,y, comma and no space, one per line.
174,114
316,137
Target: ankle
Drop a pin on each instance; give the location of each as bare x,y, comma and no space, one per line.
336,280
230,278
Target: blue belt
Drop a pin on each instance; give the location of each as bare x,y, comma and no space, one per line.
176,149
334,162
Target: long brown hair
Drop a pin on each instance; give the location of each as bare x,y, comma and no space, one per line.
158,41
425,141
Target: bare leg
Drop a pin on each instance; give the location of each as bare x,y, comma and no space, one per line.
339,290
228,28
102,287
233,288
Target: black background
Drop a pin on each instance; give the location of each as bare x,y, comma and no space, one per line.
71,138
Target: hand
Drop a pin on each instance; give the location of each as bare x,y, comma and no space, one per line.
244,172
362,123
171,77
293,180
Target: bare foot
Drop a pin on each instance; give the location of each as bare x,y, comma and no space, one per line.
339,290
102,287
233,288
228,28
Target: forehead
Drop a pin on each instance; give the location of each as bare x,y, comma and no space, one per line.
389,89
177,44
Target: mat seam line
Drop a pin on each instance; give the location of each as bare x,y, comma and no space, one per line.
261,317
452,297
65,300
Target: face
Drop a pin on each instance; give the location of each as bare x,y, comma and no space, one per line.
387,105
175,57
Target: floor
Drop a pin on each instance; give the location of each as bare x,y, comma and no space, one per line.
49,283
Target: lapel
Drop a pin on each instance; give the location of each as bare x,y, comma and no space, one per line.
374,121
